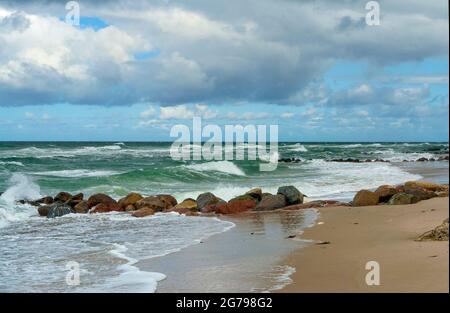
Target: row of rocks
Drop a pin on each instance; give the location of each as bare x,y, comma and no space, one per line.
409,193
286,198
139,206
353,160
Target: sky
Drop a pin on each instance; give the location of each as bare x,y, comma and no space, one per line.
132,69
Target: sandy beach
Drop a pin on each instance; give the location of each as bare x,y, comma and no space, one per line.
384,234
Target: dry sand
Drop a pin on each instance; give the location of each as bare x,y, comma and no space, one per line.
381,233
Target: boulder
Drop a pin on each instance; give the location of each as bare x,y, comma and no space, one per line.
43,210
130,208
63,197
440,233
106,207
207,199
82,207
152,202
292,194
255,193
189,204
130,199
143,212
402,198
78,197
185,211
385,192
59,209
100,198
235,206
271,202
426,185
420,193
169,200
44,200
365,198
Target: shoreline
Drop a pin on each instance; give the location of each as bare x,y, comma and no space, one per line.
384,234
245,258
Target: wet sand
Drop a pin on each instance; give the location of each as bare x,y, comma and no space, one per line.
246,258
376,233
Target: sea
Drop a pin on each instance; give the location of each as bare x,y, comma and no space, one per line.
43,255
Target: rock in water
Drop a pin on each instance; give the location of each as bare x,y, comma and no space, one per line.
385,192
143,212
189,204
271,202
59,209
403,198
168,200
43,210
63,197
440,233
130,199
153,202
365,198
106,207
292,194
101,198
207,199
82,207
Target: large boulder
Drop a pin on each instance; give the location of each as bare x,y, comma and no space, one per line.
143,212
292,194
43,210
271,202
385,192
440,233
255,193
403,198
207,199
365,198
152,202
426,185
63,197
82,207
235,206
168,200
59,209
130,199
100,198
420,193
106,207
76,199
189,204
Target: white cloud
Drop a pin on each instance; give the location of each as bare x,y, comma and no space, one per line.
147,113
287,115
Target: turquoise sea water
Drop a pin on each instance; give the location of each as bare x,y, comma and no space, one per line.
35,251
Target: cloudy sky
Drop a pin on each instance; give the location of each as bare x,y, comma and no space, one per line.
132,69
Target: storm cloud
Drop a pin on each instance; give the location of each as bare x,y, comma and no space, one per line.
203,51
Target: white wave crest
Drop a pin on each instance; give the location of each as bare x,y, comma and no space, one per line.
227,167
77,173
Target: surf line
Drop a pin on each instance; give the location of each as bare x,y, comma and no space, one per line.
229,144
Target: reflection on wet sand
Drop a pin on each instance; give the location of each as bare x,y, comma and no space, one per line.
243,259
